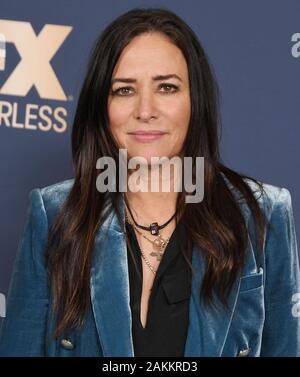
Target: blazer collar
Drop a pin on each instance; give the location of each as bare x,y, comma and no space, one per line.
110,296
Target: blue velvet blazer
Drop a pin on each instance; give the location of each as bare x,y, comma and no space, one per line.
264,304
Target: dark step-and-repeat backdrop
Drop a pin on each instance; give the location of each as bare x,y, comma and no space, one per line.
253,47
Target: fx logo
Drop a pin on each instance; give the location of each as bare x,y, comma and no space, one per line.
36,52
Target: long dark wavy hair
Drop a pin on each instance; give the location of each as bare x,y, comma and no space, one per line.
216,224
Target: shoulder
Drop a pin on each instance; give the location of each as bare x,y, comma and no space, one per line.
280,244
269,197
51,197
56,193
273,200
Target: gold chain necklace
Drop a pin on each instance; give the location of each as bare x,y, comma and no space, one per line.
148,263
159,243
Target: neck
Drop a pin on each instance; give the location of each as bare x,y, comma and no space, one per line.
151,206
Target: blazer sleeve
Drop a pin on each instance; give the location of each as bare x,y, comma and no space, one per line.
281,332
23,329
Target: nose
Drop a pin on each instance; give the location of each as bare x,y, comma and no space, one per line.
146,107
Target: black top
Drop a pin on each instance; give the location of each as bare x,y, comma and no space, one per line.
168,308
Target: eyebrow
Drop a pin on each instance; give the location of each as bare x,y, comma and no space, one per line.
155,78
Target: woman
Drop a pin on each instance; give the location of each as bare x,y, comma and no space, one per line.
144,273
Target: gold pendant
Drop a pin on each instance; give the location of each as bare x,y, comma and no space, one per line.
160,243
157,255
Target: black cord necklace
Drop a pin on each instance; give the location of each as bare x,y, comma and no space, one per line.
154,228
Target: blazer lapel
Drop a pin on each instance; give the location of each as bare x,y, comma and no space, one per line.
208,328
110,289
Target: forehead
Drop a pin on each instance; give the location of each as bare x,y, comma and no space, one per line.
151,52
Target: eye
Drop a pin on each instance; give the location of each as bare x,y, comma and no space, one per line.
121,91
170,88
125,90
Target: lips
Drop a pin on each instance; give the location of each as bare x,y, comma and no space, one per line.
147,136
153,132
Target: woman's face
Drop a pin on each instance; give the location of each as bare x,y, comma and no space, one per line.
149,114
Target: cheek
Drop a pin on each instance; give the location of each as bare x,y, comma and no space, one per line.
118,117
180,116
